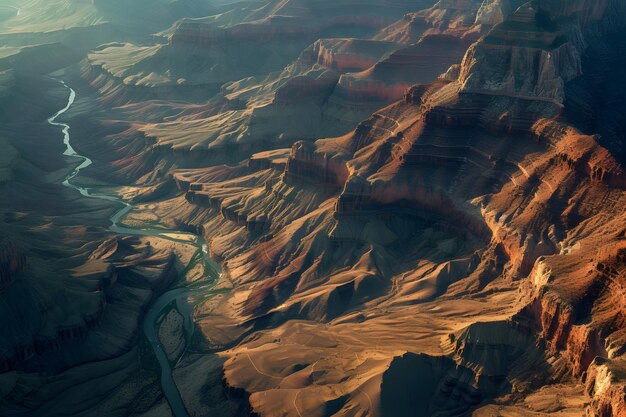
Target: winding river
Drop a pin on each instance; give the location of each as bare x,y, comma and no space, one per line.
177,296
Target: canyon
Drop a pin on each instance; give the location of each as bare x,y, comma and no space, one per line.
311,208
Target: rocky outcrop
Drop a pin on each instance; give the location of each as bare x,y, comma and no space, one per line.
538,69
387,80
305,164
493,12
471,216
497,140
605,383
448,17
311,86
346,55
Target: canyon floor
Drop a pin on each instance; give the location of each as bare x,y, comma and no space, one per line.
309,208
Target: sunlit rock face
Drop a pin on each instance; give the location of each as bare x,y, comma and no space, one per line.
418,209
526,56
475,187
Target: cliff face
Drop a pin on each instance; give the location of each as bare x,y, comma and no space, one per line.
424,215
474,217
523,57
332,85
280,66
